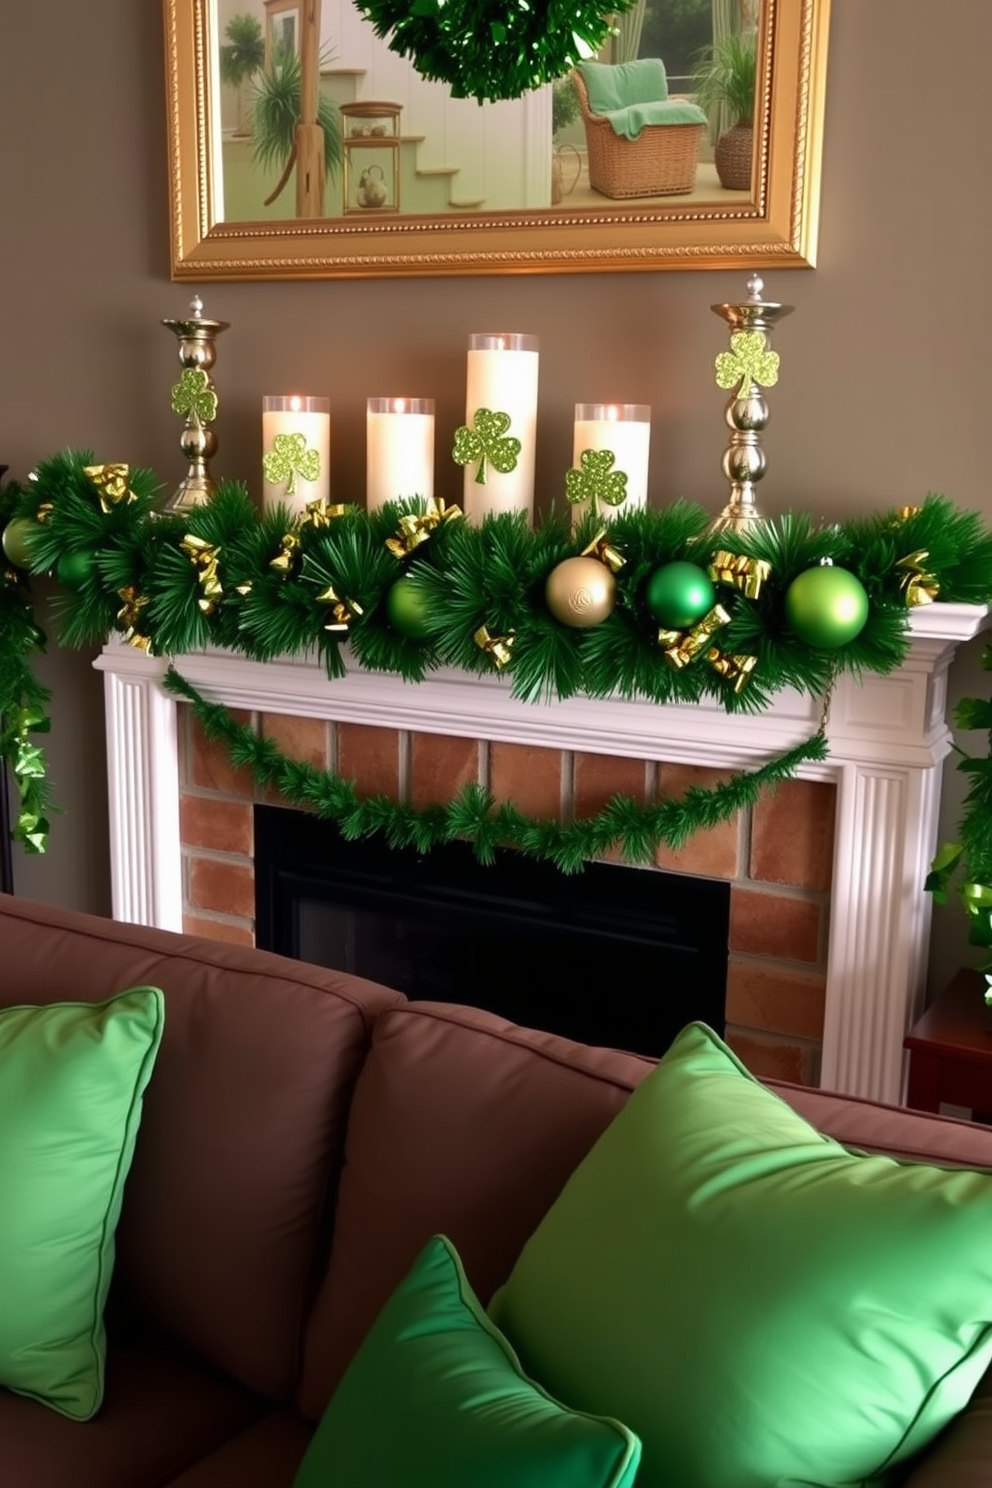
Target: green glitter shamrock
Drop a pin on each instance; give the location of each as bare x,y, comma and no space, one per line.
596,480
748,360
487,441
289,458
193,397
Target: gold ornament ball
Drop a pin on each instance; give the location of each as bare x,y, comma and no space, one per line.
14,540
581,592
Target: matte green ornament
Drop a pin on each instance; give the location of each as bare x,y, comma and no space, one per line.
407,608
826,606
15,541
74,568
679,594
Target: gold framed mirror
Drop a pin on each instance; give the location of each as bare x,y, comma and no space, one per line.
225,226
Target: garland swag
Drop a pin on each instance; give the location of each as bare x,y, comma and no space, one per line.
276,583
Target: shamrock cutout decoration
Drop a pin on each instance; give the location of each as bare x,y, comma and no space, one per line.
193,397
747,361
596,480
289,458
488,441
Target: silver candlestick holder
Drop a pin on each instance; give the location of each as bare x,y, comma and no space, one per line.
744,370
195,400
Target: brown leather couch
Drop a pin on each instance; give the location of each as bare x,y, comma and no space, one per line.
304,1133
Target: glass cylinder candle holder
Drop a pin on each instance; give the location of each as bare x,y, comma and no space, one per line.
399,450
501,377
625,430
296,450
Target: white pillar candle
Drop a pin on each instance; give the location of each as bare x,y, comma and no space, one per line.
399,450
624,428
298,473
502,377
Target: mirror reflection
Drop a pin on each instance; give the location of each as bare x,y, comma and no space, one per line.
663,116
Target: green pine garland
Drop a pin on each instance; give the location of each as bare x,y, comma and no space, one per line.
474,815
968,862
270,584
23,702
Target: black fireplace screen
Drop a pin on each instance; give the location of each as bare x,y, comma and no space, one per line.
613,955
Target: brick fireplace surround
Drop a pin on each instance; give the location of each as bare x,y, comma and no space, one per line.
829,925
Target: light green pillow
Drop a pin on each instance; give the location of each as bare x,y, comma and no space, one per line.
72,1077
760,1304
436,1398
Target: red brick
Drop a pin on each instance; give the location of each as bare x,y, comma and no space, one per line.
776,925
226,930
527,776
766,996
371,758
792,836
440,767
210,764
223,826
711,852
774,1059
228,888
599,777
299,738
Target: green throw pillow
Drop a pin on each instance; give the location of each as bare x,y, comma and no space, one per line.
759,1303
72,1077
436,1398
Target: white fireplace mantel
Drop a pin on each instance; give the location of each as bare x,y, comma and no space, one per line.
888,736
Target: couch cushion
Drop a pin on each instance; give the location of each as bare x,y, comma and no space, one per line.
241,1130
72,1076
715,1247
266,1455
466,1125
462,1124
160,1413
436,1395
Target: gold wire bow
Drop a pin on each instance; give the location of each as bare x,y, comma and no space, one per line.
112,484
204,556
496,647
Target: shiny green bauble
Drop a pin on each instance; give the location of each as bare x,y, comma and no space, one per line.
407,608
15,541
679,594
73,569
580,592
826,606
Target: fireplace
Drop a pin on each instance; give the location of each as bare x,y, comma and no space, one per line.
844,965
613,955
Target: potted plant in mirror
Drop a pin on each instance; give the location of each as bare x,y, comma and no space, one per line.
241,55
277,114
723,83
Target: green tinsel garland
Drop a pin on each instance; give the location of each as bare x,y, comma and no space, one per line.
969,861
491,49
474,816
23,702
273,583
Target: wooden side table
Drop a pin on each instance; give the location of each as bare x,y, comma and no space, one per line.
950,1050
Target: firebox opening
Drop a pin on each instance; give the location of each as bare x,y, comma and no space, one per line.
614,955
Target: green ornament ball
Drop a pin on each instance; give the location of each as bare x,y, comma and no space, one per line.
407,608
826,606
679,594
15,541
74,568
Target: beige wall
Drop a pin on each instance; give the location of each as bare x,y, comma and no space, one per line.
884,363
